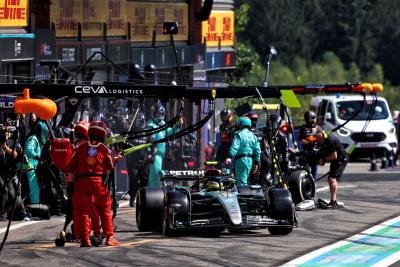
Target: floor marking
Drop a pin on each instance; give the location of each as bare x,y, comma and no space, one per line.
47,245
19,225
132,243
126,211
327,187
376,246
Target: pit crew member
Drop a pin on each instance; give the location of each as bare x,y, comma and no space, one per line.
246,151
90,162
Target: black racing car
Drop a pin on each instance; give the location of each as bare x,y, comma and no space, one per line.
212,202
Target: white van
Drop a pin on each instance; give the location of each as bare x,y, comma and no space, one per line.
360,137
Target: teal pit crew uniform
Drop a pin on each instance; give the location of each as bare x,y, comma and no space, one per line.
33,149
245,150
159,151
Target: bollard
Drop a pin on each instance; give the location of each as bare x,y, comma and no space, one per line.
384,163
374,167
390,160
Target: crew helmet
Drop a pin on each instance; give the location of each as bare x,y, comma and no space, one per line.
226,115
97,131
243,122
82,129
310,117
158,111
274,121
253,117
139,120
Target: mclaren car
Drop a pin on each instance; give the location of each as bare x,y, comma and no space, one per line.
211,202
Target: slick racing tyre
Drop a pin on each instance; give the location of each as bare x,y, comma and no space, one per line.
281,208
149,209
301,186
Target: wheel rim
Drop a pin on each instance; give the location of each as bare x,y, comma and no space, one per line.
307,188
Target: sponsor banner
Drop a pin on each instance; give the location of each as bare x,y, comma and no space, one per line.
228,59
66,15
7,103
91,14
220,25
69,54
148,17
220,59
45,44
163,57
192,173
143,56
101,90
116,17
91,48
118,51
144,18
17,46
14,13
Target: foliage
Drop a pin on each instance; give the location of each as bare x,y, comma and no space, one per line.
319,42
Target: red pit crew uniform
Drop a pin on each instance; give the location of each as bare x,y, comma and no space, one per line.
94,214
90,162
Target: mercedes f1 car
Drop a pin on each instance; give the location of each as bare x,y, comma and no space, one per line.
212,202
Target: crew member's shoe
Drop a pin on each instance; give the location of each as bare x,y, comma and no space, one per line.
86,245
112,242
333,204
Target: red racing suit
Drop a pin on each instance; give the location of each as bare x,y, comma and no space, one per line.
95,217
90,162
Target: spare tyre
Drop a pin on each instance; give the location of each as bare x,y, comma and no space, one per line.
301,186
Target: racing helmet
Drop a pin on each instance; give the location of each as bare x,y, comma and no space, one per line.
274,121
158,112
243,122
226,115
253,117
213,186
97,131
82,130
310,118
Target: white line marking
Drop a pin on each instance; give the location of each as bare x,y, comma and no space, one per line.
16,226
323,188
339,187
385,262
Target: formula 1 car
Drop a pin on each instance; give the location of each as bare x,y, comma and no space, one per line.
212,202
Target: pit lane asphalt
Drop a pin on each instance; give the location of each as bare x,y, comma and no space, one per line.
369,198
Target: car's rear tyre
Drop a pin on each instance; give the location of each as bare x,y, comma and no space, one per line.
301,186
149,209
